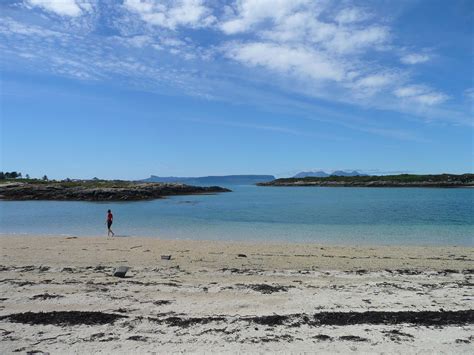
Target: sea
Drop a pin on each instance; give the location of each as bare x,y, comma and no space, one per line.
327,215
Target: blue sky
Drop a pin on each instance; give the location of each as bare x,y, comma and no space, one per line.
125,89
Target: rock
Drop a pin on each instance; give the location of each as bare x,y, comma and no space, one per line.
121,271
99,191
63,318
402,180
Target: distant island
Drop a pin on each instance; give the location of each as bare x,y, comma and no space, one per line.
213,180
97,190
321,173
402,180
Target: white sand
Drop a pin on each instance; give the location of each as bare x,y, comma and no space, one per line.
208,279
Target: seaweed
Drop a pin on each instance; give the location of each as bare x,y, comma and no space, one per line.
63,318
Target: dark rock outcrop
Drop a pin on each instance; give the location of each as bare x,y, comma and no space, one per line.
403,180
321,173
96,192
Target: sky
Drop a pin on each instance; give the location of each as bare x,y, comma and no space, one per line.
126,89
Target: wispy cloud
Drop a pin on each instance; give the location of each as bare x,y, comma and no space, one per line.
415,58
268,128
469,93
172,14
352,14
300,61
10,27
252,51
328,51
421,94
244,15
70,8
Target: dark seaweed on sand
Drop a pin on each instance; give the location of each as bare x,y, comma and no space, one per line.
63,318
422,318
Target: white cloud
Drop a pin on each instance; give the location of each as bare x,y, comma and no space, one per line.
308,47
304,62
60,7
299,21
173,42
296,38
371,84
351,15
11,27
414,58
469,93
304,28
432,98
377,80
420,94
139,41
172,14
410,91
348,40
251,12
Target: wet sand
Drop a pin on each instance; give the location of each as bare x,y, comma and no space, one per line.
229,297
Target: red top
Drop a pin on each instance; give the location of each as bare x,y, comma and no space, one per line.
109,216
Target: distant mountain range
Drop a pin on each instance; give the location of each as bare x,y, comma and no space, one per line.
324,174
213,180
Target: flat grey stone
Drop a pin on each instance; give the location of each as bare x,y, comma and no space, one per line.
121,271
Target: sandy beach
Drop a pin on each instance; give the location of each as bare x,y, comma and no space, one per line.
232,297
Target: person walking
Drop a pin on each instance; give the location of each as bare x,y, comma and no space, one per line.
109,221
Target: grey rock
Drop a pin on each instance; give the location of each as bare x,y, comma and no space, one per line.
108,191
121,271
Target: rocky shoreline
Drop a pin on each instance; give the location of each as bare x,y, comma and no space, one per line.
122,191
404,180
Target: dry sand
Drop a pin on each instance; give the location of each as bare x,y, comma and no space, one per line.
208,298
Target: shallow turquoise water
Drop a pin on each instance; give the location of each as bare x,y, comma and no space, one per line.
346,216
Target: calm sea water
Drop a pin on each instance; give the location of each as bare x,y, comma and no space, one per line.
348,216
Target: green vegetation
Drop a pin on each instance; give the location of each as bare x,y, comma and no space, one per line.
94,183
30,181
441,180
405,178
95,190
9,175
14,176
